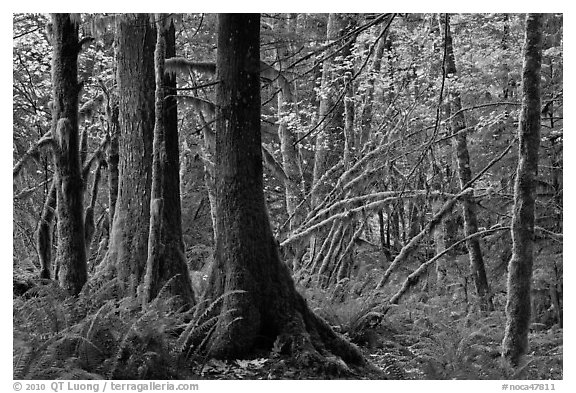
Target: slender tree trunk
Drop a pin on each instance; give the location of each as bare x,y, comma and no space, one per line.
440,246
270,311
44,234
293,186
468,203
112,160
367,108
127,253
166,259
515,342
349,145
71,254
89,226
330,138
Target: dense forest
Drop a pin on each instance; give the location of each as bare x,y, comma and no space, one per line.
287,196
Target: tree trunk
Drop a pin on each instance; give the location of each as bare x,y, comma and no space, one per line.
44,234
112,160
166,259
270,310
293,186
71,253
89,226
458,125
515,342
439,246
330,138
368,97
127,253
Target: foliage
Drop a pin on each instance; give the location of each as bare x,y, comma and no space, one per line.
400,104
97,336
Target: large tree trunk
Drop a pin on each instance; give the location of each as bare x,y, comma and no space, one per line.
270,310
127,253
515,342
71,254
166,259
458,125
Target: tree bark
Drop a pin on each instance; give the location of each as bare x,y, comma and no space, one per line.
44,234
127,253
71,253
515,343
270,310
439,246
458,125
113,158
166,259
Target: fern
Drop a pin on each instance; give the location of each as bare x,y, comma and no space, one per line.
201,324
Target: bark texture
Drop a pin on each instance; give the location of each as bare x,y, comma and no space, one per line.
270,310
44,234
127,253
458,126
113,158
166,260
71,253
515,342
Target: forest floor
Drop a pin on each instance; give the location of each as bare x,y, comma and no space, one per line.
394,357
98,336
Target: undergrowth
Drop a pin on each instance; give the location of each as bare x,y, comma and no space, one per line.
438,338
99,336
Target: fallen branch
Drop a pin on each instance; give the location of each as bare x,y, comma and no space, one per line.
45,140
28,191
340,216
412,279
96,156
408,248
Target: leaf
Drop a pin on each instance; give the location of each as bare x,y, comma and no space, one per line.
242,363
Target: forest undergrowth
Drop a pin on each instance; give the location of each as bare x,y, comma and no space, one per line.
100,336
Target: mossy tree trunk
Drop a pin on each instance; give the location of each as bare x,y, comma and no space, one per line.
44,234
127,252
515,342
166,260
458,126
113,158
270,310
71,253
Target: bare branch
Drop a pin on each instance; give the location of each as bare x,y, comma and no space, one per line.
44,141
